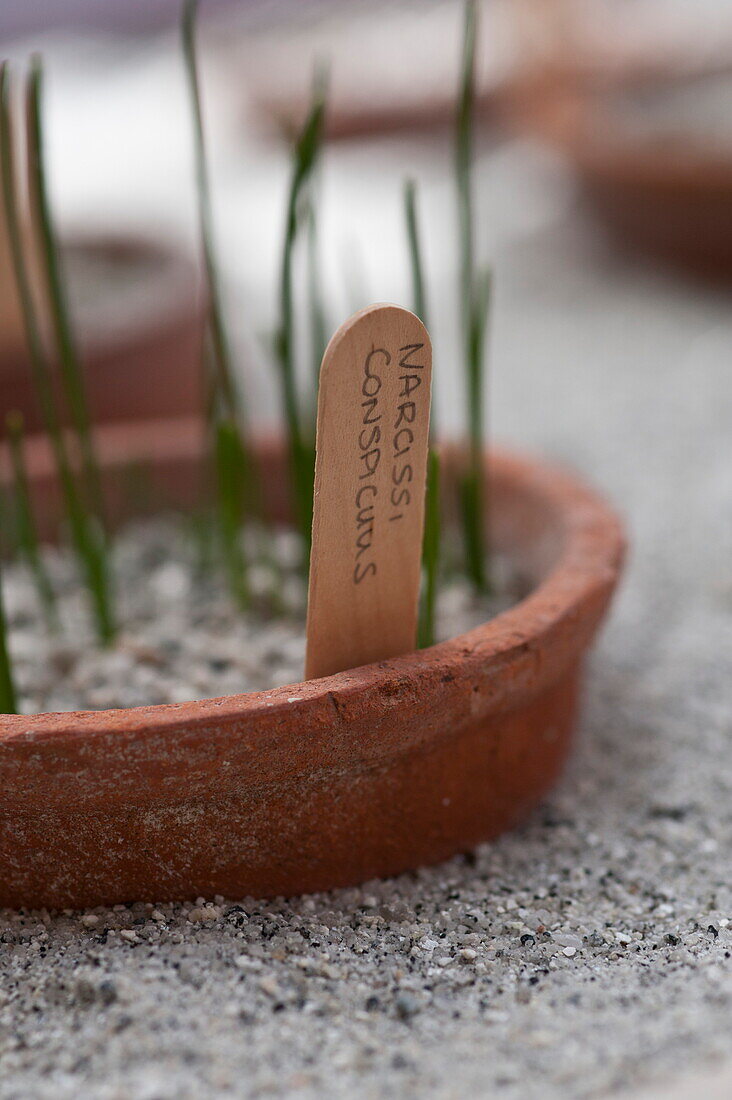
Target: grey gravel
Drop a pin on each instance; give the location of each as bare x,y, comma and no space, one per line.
589,951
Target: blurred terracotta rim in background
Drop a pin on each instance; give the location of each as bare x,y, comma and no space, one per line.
672,197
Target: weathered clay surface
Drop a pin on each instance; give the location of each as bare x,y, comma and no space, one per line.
328,782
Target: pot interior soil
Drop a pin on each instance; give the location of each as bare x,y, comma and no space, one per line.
182,637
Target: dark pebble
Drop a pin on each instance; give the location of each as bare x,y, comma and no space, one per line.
406,1006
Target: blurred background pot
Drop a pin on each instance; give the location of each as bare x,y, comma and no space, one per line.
642,117
139,317
664,190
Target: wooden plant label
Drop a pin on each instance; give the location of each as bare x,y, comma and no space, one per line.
370,471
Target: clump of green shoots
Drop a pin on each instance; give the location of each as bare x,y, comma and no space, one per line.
232,459
301,435
475,291
236,476
419,295
78,496
431,538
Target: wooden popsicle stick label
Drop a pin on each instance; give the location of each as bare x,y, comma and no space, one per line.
370,472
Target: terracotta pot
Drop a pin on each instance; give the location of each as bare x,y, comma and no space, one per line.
668,196
140,323
669,202
327,783
624,100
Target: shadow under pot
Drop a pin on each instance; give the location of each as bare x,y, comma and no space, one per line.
138,317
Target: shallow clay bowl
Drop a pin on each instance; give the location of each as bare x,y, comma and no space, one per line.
330,782
670,202
139,319
669,196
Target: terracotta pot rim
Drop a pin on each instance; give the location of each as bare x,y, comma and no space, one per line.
570,118
592,548
663,164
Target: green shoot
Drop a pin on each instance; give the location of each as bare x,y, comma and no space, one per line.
431,540
305,157
8,699
71,370
419,299
473,489
318,322
233,464
25,523
430,552
474,296
230,466
222,359
87,540
8,702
